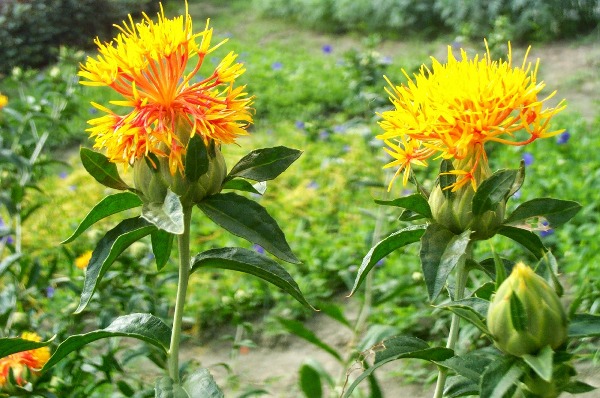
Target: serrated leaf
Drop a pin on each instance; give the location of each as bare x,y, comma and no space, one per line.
440,253
415,202
144,327
108,249
167,216
201,384
249,220
493,190
243,185
541,363
458,386
102,169
526,238
264,164
393,242
250,262
196,159
470,365
310,382
584,325
298,329
162,243
556,211
12,345
108,206
398,348
499,377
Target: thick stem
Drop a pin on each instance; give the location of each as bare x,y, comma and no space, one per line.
461,282
183,241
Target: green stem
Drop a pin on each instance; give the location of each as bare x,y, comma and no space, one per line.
461,282
183,241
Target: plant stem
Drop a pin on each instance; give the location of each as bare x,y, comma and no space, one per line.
461,281
183,241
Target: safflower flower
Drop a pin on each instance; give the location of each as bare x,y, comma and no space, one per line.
165,106
3,100
23,362
83,260
452,110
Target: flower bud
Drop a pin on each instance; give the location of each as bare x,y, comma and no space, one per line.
536,319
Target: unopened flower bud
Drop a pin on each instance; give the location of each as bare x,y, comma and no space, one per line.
525,314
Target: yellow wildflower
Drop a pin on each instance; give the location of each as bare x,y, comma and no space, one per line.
32,360
146,64
3,101
82,261
452,110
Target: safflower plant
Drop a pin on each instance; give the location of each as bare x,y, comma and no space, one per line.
454,113
171,133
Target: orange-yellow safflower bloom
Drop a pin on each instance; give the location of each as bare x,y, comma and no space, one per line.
452,110
33,360
165,106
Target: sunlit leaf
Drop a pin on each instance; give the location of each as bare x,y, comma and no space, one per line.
167,216
493,190
196,159
264,164
102,169
415,202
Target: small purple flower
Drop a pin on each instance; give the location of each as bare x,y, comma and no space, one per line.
10,240
49,292
546,231
300,124
323,135
563,138
380,263
327,49
312,185
72,187
528,159
456,45
347,148
63,175
387,60
339,128
517,195
259,249
276,65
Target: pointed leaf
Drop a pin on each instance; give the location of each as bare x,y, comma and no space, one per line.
249,220
493,190
489,267
584,325
547,268
264,164
519,179
167,216
441,251
8,261
108,249
541,363
144,327
470,365
518,315
162,243
102,169
250,262
578,387
398,348
526,238
415,202
472,309
334,311
201,384
310,382
108,206
393,242
298,329
12,345
556,211
459,386
196,159
499,377
243,185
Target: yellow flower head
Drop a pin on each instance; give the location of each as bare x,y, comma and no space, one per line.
165,106
82,261
3,101
453,109
33,360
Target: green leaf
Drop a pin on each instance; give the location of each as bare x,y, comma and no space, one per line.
144,327
441,251
556,211
499,269
374,389
578,387
166,388
541,363
201,384
584,325
415,202
310,382
264,164
519,179
526,238
518,315
393,242
107,250
243,185
334,311
401,347
108,206
445,178
493,190
196,159
250,262
470,365
298,329
459,386
547,268
376,334
473,310
249,220
167,216
12,345
102,169
162,243
500,377
8,261
489,267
